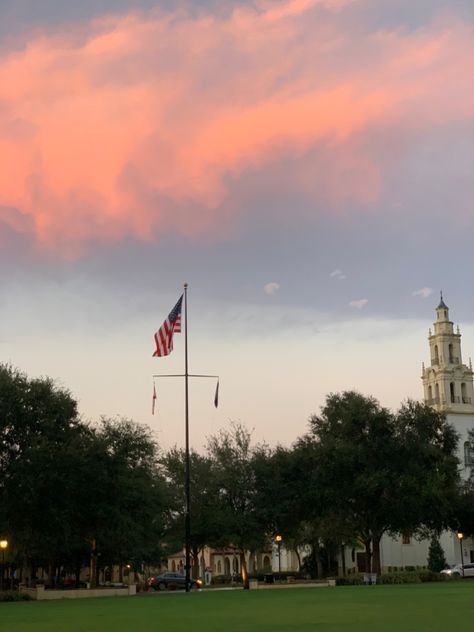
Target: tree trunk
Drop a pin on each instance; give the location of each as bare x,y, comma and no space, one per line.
243,570
77,572
343,559
195,563
299,558
376,554
368,556
93,564
50,574
319,563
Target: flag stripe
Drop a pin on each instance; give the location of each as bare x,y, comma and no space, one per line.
164,335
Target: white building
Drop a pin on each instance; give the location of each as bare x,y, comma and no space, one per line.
448,388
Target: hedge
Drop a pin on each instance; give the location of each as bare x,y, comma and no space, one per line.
401,577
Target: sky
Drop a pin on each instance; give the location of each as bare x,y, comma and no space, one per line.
305,165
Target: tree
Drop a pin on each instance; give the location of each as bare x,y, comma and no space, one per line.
436,559
353,445
204,507
127,513
429,482
284,498
67,487
375,472
238,515
37,419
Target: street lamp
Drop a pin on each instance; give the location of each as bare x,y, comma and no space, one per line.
278,540
460,538
3,546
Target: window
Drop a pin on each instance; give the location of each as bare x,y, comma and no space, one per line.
406,538
468,453
219,567
451,391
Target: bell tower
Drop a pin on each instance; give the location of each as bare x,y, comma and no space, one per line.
447,382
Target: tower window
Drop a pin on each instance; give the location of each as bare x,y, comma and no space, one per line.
451,390
451,358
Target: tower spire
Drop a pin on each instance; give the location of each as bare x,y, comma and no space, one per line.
442,304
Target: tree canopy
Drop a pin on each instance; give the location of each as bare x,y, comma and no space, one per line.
75,493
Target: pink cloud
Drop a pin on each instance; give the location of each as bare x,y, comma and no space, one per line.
133,124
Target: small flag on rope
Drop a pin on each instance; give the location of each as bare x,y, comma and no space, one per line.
154,400
164,335
216,396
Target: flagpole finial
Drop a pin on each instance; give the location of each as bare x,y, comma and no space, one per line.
185,286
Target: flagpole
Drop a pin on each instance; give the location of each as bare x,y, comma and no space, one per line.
187,464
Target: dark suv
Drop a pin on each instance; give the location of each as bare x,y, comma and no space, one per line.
172,581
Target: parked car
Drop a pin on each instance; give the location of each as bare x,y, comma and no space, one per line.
458,570
172,581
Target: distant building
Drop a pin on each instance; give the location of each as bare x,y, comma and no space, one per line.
448,388
448,383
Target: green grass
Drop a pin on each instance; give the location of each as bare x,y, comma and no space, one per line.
415,608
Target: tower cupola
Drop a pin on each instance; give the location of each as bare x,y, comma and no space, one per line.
442,311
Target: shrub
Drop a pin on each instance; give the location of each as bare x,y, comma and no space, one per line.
353,580
226,579
395,577
14,595
411,577
430,576
400,577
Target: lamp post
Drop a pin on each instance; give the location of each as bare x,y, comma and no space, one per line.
278,540
460,538
3,546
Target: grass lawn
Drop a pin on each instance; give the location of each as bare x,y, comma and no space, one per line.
415,608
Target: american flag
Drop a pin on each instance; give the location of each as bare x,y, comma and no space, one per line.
164,335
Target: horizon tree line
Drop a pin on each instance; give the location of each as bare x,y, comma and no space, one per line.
72,492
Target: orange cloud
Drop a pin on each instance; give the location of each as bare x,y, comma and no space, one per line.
133,124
